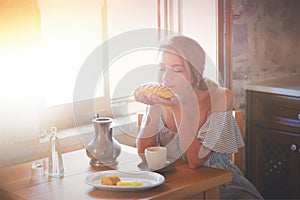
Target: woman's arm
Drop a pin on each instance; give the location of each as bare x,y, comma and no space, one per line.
188,128
148,131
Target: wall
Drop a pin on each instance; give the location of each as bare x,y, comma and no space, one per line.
266,42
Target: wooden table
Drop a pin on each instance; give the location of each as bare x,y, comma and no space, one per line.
16,181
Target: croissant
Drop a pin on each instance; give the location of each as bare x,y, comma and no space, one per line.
150,89
110,180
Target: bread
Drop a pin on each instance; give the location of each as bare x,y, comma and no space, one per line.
110,180
150,89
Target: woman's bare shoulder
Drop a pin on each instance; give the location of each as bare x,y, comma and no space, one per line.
221,99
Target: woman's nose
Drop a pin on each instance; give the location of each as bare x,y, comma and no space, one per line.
167,76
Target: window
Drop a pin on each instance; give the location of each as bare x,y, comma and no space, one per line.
204,31
136,65
130,70
45,45
71,31
58,37
20,72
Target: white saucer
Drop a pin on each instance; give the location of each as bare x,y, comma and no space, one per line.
169,166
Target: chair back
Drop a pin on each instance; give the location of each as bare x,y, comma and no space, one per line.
238,158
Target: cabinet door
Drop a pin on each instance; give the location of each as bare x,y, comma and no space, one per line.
276,163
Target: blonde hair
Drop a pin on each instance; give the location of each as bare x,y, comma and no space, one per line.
192,54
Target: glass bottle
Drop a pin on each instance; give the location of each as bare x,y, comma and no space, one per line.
56,167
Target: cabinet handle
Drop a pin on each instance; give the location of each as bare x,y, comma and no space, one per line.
299,116
293,147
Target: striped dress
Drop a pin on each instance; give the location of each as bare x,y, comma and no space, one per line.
221,135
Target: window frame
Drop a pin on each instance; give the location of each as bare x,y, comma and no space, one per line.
225,42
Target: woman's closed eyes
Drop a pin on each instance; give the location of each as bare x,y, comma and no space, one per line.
173,68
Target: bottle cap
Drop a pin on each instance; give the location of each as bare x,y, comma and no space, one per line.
53,129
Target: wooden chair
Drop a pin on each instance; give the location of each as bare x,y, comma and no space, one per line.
238,158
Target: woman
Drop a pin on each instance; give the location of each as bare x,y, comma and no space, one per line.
197,124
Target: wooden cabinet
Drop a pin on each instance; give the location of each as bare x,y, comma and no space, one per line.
273,144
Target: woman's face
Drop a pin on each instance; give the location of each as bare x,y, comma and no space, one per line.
173,73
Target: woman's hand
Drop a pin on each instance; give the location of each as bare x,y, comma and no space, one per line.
153,99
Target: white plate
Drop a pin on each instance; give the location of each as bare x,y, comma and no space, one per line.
149,180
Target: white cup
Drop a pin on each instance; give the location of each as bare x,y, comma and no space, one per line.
156,157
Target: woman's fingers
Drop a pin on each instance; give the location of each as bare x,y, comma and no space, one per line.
163,101
153,99
143,99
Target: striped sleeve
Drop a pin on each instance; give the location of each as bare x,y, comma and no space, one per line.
220,133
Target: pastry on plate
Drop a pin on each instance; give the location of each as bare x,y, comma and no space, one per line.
110,180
